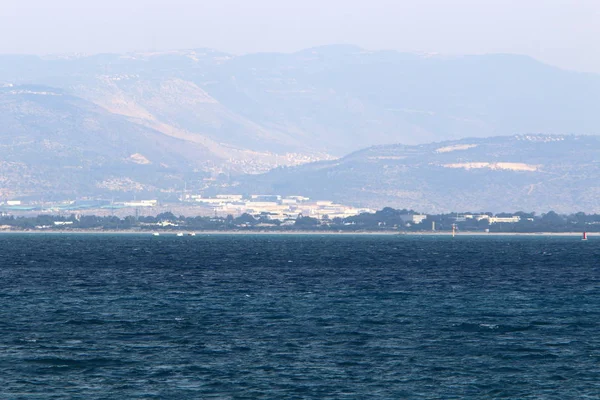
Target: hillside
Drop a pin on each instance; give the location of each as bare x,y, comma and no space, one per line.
525,172
57,145
326,100
157,122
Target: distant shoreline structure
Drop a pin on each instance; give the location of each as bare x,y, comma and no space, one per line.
385,221
291,233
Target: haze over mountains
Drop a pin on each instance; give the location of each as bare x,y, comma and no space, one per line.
142,122
506,173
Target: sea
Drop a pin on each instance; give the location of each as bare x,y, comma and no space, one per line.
298,317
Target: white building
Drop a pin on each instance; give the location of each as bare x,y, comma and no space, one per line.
504,220
63,223
413,218
266,197
230,197
325,203
210,201
299,199
141,203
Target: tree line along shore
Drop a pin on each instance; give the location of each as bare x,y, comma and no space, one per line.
385,220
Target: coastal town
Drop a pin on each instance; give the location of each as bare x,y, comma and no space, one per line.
285,209
268,213
271,207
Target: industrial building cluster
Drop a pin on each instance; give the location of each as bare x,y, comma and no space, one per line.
275,207
285,209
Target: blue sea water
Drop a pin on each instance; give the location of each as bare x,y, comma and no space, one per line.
298,317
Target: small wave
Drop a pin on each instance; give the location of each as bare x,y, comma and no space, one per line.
558,378
91,321
584,325
60,362
507,370
490,326
471,327
28,340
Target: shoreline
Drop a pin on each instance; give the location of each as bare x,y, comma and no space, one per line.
259,233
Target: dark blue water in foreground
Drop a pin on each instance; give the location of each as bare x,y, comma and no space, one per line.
283,317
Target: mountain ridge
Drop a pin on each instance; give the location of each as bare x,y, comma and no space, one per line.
192,117
330,99
533,172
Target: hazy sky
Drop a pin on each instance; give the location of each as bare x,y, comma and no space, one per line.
560,32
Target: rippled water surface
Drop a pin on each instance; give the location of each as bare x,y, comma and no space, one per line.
323,317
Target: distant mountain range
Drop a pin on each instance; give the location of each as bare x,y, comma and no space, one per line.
158,122
524,172
333,99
